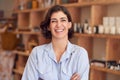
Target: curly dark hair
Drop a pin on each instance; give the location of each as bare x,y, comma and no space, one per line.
46,22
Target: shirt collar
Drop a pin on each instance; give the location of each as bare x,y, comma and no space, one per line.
50,51
65,55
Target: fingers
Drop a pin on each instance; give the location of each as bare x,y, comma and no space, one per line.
75,76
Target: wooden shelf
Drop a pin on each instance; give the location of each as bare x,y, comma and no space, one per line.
105,70
84,35
10,18
26,32
90,3
98,35
21,53
18,71
80,4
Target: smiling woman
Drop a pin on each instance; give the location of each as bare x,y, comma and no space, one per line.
59,59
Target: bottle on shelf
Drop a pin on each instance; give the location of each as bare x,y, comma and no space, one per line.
85,25
34,4
21,6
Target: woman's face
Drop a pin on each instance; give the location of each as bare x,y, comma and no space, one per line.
59,25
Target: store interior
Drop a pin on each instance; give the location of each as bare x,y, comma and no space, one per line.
96,25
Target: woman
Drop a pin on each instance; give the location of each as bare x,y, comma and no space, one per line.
60,59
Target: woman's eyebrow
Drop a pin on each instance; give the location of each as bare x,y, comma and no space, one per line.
63,18
56,18
53,19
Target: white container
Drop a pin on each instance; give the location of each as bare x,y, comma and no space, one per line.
89,30
75,27
117,21
94,30
112,30
106,30
118,30
111,21
100,29
105,21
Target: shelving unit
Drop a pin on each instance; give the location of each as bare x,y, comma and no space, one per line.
94,11
105,70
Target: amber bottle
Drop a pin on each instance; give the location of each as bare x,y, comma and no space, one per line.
34,4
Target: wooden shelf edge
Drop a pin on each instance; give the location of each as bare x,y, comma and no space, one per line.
18,71
9,18
84,35
90,3
26,32
105,70
98,35
21,53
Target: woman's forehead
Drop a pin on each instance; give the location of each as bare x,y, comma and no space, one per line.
58,14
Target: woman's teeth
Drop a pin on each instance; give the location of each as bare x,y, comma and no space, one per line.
59,30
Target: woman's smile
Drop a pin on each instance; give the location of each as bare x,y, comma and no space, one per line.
59,30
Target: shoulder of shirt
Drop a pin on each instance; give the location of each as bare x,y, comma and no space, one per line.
38,51
79,48
39,48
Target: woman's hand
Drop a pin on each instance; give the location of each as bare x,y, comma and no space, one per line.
75,76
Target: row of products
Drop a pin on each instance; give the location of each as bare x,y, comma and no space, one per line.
110,64
111,25
33,4
107,30
85,28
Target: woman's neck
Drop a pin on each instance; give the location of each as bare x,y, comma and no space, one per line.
59,47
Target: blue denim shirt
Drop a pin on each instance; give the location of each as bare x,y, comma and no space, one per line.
42,63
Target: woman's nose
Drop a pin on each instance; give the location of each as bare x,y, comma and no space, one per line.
58,23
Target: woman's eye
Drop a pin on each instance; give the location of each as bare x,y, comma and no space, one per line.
53,21
63,20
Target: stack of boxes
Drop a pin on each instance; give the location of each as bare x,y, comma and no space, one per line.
111,25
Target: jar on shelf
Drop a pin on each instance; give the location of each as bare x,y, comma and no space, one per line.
34,4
